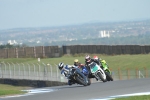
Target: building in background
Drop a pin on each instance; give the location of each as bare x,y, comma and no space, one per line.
104,33
12,42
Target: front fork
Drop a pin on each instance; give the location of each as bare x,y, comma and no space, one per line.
96,76
83,76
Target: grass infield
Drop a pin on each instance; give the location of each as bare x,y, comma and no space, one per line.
114,61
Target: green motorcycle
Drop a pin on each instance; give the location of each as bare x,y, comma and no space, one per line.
106,70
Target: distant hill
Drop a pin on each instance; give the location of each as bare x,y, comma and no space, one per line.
79,34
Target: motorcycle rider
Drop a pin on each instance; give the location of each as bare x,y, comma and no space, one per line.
76,63
103,65
83,69
100,61
95,59
81,66
65,71
88,60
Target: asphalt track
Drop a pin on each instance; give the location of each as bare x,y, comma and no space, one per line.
96,91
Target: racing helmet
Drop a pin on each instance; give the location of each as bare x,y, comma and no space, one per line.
60,65
76,62
87,58
95,57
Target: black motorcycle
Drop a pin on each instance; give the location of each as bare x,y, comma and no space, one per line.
77,77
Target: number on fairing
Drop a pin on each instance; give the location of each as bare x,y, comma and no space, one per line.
94,69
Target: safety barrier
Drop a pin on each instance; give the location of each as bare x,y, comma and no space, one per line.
49,72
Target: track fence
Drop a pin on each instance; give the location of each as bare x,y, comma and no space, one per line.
49,72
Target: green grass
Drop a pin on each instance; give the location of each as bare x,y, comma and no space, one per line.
144,97
11,90
114,62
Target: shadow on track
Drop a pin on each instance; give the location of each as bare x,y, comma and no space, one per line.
72,86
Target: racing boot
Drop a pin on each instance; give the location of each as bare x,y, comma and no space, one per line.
70,82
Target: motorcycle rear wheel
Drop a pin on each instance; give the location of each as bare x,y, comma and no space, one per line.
108,76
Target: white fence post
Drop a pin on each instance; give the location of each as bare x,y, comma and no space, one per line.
19,70
51,69
5,67
56,70
2,69
9,71
39,71
140,74
28,71
45,71
14,69
33,68
23,71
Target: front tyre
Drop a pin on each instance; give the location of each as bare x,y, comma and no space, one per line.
81,80
101,77
89,81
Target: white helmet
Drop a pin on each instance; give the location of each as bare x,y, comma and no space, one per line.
87,58
60,65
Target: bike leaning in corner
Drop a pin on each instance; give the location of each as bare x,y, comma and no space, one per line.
86,73
97,72
77,77
106,70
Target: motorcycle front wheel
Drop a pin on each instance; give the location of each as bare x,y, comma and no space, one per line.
80,80
101,77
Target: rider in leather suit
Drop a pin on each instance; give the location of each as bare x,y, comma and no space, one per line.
65,71
88,60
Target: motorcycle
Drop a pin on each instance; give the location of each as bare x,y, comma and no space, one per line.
77,77
86,73
97,72
106,70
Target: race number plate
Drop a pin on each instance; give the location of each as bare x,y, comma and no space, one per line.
94,69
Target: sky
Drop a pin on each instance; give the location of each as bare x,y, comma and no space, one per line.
49,13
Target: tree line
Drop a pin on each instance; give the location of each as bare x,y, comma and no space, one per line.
5,46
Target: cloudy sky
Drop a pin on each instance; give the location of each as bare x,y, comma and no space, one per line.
47,13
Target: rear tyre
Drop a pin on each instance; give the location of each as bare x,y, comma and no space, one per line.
108,76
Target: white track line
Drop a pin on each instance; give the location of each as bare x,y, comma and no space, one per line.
125,95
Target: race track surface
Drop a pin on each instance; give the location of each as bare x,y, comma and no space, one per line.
97,90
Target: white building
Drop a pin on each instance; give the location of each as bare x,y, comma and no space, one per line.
104,33
12,42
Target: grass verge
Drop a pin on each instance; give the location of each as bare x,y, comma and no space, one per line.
143,97
114,61
11,90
